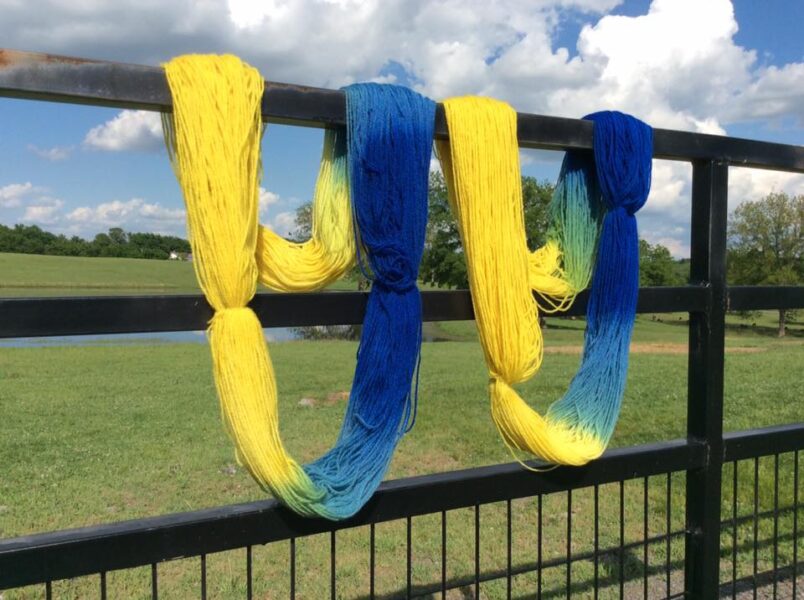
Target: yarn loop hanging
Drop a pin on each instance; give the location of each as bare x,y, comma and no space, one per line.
213,137
592,234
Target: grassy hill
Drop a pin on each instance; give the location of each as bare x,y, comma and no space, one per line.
38,275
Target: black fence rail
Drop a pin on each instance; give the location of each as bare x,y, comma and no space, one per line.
466,530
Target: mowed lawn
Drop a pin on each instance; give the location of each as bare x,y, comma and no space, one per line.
98,434
34,275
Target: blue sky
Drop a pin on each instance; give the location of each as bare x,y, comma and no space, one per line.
703,65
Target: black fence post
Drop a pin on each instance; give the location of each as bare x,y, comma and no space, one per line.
705,378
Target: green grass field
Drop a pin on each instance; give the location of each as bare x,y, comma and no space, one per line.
96,434
33,275
37,275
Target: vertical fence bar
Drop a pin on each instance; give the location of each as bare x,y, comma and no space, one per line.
669,527
795,523
293,568
539,552
705,378
621,551
734,493
372,559
508,554
597,543
756,527
645,557
203,577
443,554
333,565
249,575
477,551
409,559
154,582
775,524
569,543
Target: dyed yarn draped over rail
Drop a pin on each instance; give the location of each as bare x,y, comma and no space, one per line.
390,141
481,165
214,137
623,150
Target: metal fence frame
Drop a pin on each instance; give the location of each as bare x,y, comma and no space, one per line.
46,557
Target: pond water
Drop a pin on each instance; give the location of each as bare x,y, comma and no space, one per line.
274,334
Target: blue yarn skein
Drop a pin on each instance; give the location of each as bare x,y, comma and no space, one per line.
389,142
623,150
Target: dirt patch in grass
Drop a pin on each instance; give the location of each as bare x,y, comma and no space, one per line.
651,348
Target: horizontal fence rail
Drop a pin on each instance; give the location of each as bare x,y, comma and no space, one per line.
81,81
71,553
135,314
34,317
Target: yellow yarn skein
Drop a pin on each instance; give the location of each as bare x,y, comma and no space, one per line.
298,267
213,137
481,166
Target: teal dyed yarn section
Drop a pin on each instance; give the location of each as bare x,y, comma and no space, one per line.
389,138
576,213
623,149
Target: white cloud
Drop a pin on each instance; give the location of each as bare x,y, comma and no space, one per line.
665,218
775,92
13,194
750,185
133,215
266,199
284,223
130,130
44,212
54,154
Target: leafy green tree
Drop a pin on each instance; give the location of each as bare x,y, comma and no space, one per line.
766,244
304,223
118,236
657,267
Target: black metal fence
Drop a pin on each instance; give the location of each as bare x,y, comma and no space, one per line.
477,532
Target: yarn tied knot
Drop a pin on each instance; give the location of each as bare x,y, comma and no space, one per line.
392,268
623,150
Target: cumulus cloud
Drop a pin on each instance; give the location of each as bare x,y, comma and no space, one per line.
750,185
39,207
665,217
136,130
53,154
13,194
266,200
134,215
46,211
284,223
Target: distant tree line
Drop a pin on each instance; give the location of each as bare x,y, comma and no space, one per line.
30,239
